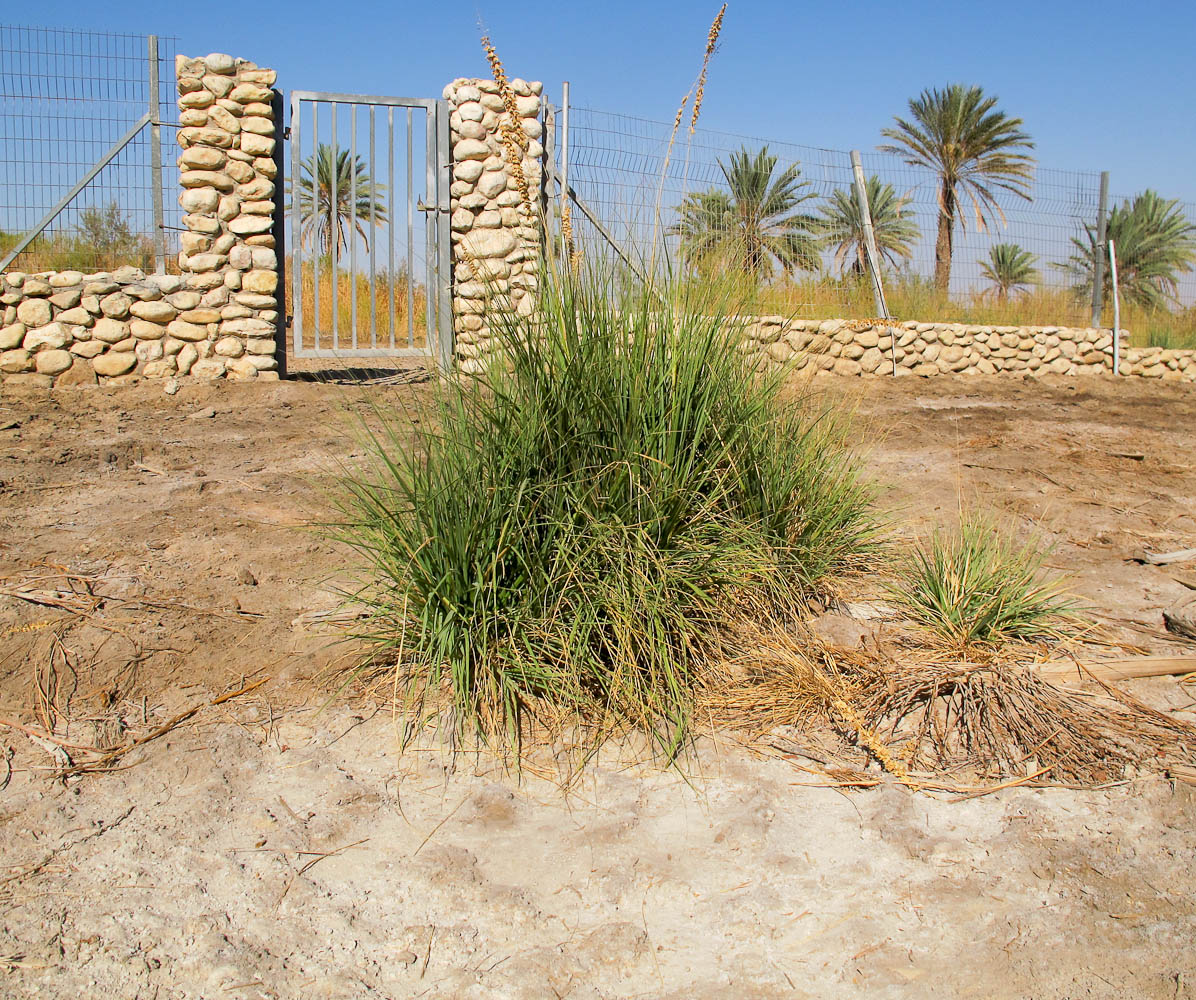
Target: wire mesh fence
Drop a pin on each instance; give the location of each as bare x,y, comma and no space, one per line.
66,98
783,219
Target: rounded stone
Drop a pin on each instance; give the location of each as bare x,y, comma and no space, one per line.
197,99
247,224
12,362
257,125
110,331
53,336
155,312
53,362
467,170
207,368
11,336
202,158
218,85
261,281
256,145
470,149
229,347
34,312
183,330
113,363
220,62
206,178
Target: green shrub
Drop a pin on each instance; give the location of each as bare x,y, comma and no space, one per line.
588,520
975,584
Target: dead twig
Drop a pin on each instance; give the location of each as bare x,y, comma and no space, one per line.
114,755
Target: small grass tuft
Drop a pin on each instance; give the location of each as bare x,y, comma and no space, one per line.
976,585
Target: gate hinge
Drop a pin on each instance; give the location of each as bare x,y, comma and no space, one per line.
286,132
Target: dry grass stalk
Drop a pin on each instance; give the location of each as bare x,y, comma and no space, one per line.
711,43
931,715
513,138
700,87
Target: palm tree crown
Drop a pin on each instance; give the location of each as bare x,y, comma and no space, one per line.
752,223
352,207
1154,243
1009,268
974,148
843,224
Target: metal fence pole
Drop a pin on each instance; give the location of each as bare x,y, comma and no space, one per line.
564,164
1116,310
547,178
1098,263
155,110
878,291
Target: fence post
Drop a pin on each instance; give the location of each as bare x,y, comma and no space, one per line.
878,292
548,179
1116,310
279,232
566,227
1098,263
155,111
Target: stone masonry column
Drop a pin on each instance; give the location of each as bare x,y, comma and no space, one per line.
496,231
229,305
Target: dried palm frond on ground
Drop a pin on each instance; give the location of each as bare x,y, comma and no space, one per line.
926,719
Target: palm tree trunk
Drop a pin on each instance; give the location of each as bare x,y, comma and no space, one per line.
945,243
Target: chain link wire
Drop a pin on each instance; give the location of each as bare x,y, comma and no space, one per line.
66,97
663,200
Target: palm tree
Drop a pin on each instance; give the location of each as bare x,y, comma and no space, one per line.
752,223
323,214
972,147
1009,268
843,225
1154,243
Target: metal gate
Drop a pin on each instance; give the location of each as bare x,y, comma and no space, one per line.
371,264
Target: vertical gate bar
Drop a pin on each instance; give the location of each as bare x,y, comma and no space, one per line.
353,223
296,223
334,230
314,223
444,340
155,110
373,234
430,226
410,236
390,228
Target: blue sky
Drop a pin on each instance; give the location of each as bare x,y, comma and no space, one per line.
1101,85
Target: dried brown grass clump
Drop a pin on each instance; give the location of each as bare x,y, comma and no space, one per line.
514,139
937,723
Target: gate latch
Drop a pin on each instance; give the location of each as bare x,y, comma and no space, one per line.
420,206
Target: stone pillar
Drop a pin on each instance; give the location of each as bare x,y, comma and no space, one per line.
496,230
228,259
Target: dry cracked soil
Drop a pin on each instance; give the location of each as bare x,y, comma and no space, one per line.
276,845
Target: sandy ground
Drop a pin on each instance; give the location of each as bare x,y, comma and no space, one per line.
270,847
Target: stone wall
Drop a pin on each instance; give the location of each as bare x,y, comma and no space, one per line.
845,347
70,328
220,315
228,173
496,157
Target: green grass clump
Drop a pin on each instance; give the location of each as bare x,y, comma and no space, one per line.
588,521
976,585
